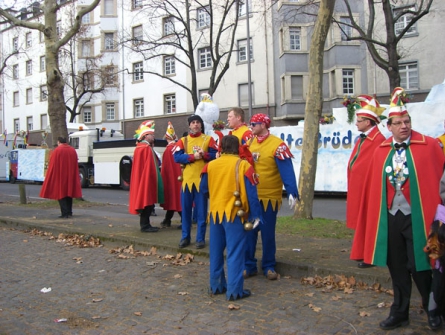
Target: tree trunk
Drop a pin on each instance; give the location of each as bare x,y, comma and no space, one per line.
314,104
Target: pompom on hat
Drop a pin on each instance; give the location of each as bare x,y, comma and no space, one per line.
397,106
261,118
170,132
368,107
145,128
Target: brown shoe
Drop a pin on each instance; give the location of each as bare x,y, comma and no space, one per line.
271,275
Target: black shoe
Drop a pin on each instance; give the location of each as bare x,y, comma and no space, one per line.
363,265
166,223
150,230
246,293
200,245
184,242
434,321
393,322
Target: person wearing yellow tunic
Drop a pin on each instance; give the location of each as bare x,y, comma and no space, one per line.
233,201
235,121
273,164
193,152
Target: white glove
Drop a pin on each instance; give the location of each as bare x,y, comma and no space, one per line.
256,222
292,201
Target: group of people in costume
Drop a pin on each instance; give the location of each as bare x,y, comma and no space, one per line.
393,196
220,181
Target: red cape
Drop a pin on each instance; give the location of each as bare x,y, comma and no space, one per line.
145,183
170,171
425,163
62,178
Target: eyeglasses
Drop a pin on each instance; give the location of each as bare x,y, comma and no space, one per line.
253,124
399,123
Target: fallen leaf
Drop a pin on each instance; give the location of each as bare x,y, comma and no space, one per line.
138,313
182,293
110,225
25,241
336,298
97,300
363,313
233,307
310,294
177,276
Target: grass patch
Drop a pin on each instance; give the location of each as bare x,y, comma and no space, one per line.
45,203
318,227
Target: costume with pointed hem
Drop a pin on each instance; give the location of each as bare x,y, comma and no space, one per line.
226,228
146,188
273,164
184,154
356,200
418,189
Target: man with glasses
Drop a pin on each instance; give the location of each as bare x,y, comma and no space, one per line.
404,181
146,187
273,163
369,114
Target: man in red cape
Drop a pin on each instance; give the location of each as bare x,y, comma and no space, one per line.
404,179
146,188
368,112
170,171
62,180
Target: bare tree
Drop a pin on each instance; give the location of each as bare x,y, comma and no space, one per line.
53,42
314,106
179,38
385,50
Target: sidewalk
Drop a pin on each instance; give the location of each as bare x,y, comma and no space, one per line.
296,256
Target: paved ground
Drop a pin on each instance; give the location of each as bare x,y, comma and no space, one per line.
101,293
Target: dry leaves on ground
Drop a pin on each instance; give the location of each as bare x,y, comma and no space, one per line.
129,252
81,241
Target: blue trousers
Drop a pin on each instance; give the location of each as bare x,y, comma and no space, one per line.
230,236
187,200
267,229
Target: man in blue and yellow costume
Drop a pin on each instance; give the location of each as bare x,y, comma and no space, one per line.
230,184
273,163
193,152
146,188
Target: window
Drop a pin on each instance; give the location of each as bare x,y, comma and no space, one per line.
203,17
243,8
86,19
138,71
15,44
409,75
87,79
138,35
295,38
108,7
109,41
110,111
296,83
42,64
29,123
59,28
43,121
87,117
169,65
41,37
29,95
242,50
169,104
111,75
136,3
138,107
346,29
29,67
205,58
15,71
169,26
243,94
15,99
29,40
85,48
43,93
16,125
403,22
348,82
